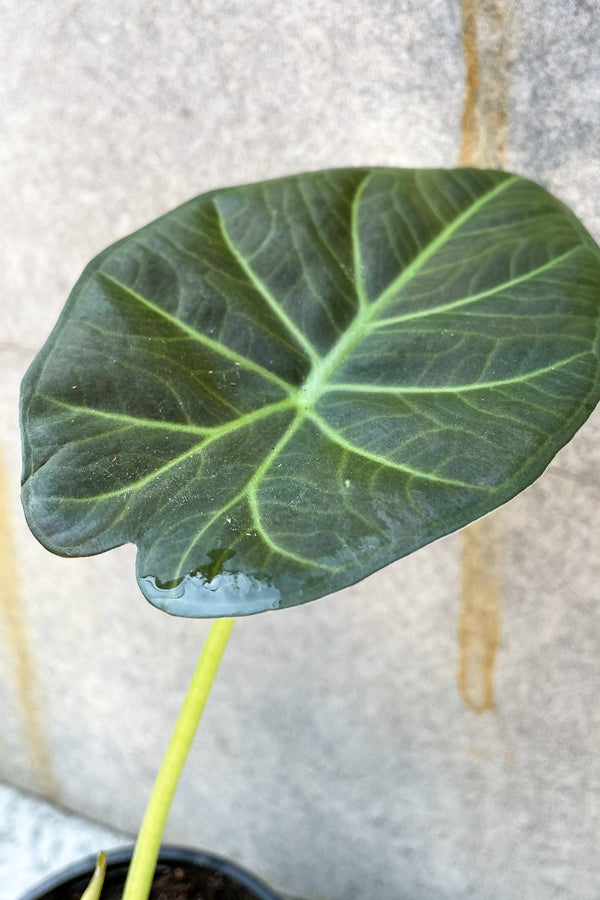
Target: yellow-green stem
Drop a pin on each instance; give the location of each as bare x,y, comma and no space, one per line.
145,855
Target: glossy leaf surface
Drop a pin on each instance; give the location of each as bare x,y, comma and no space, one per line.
276,389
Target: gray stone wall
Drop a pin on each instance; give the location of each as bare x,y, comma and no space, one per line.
339,757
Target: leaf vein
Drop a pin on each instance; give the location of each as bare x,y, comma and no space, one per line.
337,438
261,287
196,335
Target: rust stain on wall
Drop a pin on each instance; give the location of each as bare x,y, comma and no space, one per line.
487,56
484,131
25,677
469,118
479,617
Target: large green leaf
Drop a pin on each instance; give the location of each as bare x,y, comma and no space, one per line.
276,389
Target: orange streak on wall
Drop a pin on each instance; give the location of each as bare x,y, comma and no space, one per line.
23,668
469,118
479,618
484,126
486,52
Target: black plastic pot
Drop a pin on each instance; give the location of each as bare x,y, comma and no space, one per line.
75,878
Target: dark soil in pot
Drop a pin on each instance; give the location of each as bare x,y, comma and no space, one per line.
178,882
180,875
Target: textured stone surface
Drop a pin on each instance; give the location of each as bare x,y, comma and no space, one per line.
336,758
36,840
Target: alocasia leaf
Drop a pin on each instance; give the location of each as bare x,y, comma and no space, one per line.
276,389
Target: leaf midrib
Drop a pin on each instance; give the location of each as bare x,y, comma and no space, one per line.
323,368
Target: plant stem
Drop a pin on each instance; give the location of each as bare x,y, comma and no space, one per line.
145,855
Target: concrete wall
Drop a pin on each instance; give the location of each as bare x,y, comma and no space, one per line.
349,750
